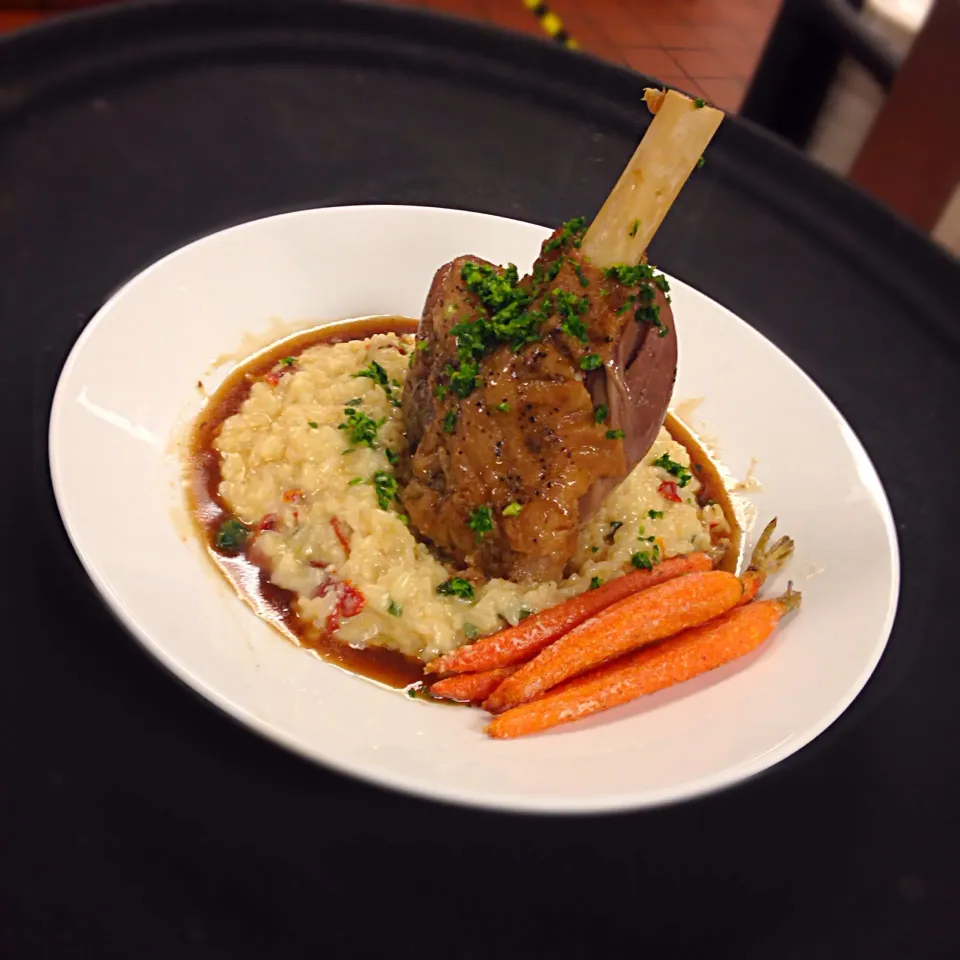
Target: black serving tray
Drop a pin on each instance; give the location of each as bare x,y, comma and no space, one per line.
134,821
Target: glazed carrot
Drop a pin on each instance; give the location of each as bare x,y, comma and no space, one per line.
651,615
471,687
529,637
676,660
765,561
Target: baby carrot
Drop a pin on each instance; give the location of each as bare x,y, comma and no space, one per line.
471,687
651,615
529,637
765,561
676,660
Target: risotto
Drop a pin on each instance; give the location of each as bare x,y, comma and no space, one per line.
300,465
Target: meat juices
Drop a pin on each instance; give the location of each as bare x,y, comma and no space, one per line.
506,466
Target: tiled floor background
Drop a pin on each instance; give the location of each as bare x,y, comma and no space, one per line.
707,47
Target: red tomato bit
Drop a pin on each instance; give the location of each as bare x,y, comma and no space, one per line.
668,490
267,522
341,533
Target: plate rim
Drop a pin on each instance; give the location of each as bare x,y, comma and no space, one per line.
529,804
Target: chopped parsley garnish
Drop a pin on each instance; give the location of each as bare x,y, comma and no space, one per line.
655,514
699,103
683,475
575,327
450,421
591,361
463,380
385,487
480,521
701,161
524,613
231,535
394,608
578,270
648,313
571,308
630,275
456,587
391,456
595,582
376,373
512,509
470,631
288,361
356,481
313,424
634,227
440,391
615,434
503,406
571,232
361,429
379,376
422,346
641,560
508,313
600,414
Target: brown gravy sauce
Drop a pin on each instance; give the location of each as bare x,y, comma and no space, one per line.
274,604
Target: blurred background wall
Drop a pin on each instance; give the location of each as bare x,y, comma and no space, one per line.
864,87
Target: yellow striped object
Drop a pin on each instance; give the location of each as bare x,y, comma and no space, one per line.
551,23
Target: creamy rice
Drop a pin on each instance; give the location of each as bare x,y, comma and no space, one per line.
283,453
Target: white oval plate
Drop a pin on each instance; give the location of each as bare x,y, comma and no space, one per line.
130,386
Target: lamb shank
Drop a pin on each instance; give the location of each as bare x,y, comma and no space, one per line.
529,399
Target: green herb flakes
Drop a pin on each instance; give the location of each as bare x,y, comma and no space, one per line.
591,361
570,233
595,582
615,434
231,535
385,487
456,587
683,475
600,414
394,608
450,421
480,521
361,429
512,509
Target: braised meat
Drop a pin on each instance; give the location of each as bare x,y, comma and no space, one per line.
528,400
